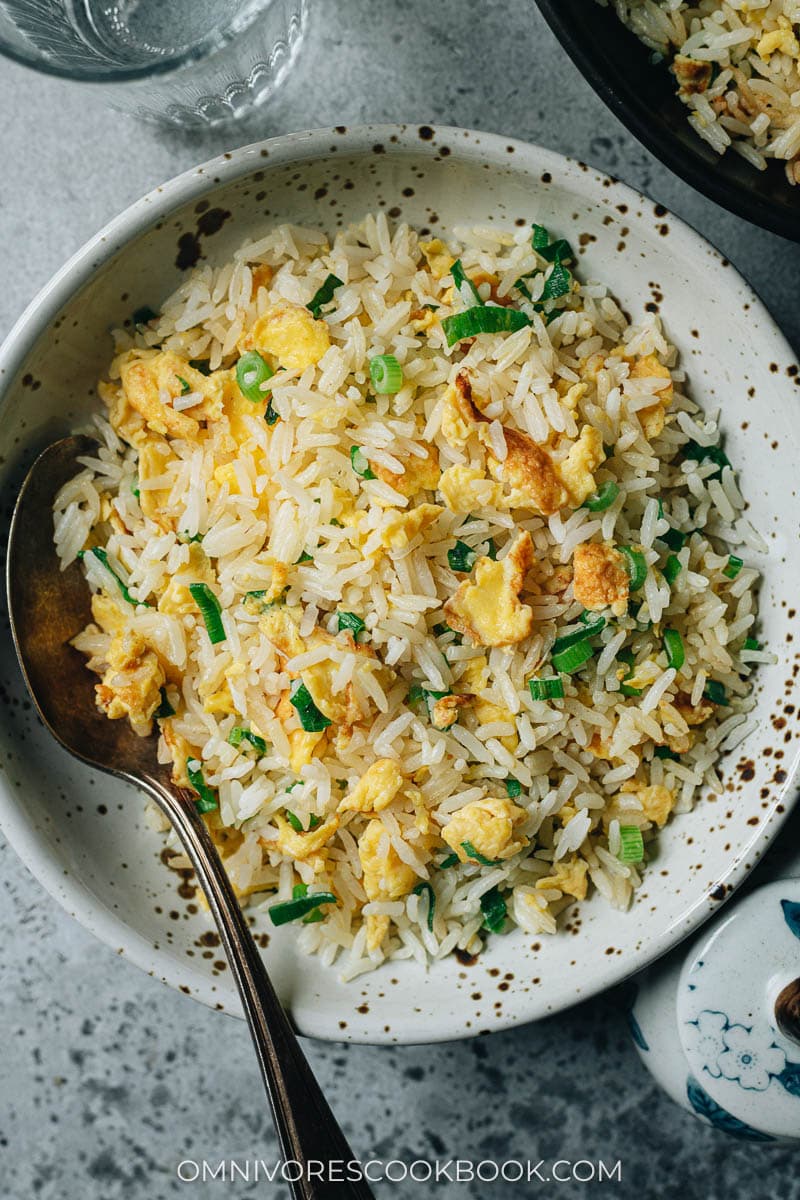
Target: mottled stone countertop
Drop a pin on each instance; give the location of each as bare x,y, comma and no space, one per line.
109,1080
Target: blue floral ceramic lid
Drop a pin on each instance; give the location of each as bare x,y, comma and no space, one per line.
739,1016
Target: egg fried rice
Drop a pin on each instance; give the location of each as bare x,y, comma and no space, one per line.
428,573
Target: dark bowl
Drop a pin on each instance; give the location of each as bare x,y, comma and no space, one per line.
642,95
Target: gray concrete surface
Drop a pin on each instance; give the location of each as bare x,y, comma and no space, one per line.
108,1080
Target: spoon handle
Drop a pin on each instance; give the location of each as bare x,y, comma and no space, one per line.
308,1132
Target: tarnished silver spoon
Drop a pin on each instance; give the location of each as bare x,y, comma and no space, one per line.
48,608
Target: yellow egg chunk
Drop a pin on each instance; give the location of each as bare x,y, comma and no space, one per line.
131,685
376,789
652,418
600,578
584,457
290,335
489,611
437,256
420,474
656,800
488,826
300,846
465,489
280,625
155,458
377,929
400,529
385,875
568,877
176,597
149,377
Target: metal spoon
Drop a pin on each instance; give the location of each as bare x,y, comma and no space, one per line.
48,608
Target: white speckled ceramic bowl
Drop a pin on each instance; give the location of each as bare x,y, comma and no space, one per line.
83,835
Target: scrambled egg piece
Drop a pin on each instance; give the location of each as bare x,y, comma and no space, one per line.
782,39
401,528
529,472
568,877
692,75
176,598
377,929
657,801
444,711
584,457
489,611
652,418
386,876
420,475
180,752
280,625
148,375
487,712
290,335
488,825
302,744
466,488
459,414
600,578
437,256
155,457
300,846
131,685
692,714
376,789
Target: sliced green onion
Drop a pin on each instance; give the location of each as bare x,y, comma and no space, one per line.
573,657
471,852
673,647
631,844
463,284
299,906
144,315
102,556
426,887
513,788
360,463
294,820
484,318
201,365
323,295
240,734
494,910
558,282
626,657
665,752
592,623
251,371
551,688
187,539
734,566
715,692
304,558
448,862
635,565
270,414
560,251
462,557
713,454
164,709
348,620
298,892
210,611
416,696
672,569
751,643
311,719
185,386
603,498
675,539
540,238
386,374
206,796
135,487
297,783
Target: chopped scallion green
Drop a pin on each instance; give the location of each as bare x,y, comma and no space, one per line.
240,734
672,569
560,251
483,318
102,556
715,692
471,852
185,386
603,498
294,820
251,371
591,623
635,565
210,611
631,844
301,905
462,557
551,688
428,890
733,567
751,643
540,237
164,709
386,374
627,689
311,719
323,295
665,752
449,861
573,658
465,287
494,909
206,796
348,620
674,649
360,463
513,788
701,454
675,539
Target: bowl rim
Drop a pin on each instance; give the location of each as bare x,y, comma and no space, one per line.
30,842
690,167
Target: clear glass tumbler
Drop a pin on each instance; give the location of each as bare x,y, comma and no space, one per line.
188,62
